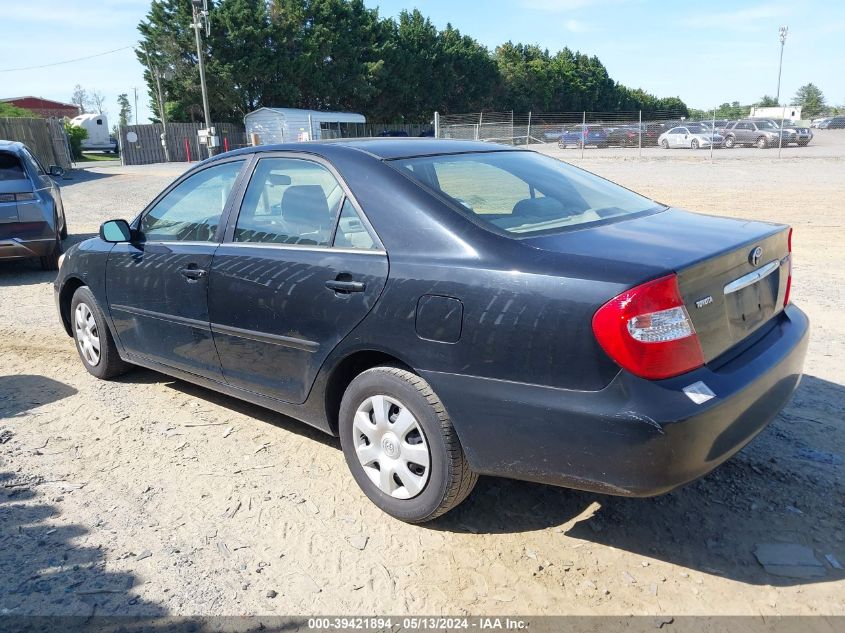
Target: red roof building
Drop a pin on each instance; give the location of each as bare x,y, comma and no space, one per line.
44,107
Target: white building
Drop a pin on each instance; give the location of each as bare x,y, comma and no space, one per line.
284,125
790,113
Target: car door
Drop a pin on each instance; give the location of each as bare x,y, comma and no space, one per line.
157,285
744,133
299,268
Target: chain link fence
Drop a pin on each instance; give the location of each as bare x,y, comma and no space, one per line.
636,133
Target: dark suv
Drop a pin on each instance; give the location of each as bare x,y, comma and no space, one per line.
762,133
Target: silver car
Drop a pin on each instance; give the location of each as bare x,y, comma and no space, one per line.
32,218
692,136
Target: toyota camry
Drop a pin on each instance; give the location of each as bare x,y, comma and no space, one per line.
451,309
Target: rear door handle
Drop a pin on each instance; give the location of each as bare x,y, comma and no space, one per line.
193,273
346,286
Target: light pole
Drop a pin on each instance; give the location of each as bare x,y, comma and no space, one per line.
783,31
200,8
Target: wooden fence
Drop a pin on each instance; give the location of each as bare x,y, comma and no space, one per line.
46,139
182,142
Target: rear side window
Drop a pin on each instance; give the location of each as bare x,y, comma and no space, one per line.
289,201
11,167
521,192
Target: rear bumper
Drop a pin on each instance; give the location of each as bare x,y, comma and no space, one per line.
635,437
15,248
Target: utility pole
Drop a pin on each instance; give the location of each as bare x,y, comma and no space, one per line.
135,89
161,113
783,31
200,8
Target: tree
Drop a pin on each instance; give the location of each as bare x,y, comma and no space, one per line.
811,100
96,100
767,101
125,114
80,98
7,110
75,135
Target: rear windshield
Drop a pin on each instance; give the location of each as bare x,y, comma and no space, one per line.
523,192
10,167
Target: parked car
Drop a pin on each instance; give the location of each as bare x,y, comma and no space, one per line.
802,133
449,309
691,136
711,124
624,136
762,133
393,133
583,135
32,217
836,123
816,123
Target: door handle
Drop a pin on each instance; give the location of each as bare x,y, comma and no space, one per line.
193,273
346,287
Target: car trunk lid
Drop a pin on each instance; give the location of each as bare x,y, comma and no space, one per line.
729,288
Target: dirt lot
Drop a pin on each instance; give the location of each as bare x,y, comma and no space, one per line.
152,496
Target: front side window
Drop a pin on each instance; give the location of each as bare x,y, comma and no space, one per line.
191,212
522,192
289,201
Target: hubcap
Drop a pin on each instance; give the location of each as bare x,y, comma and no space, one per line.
87,336
391,447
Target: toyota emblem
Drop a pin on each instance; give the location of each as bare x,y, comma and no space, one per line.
755,256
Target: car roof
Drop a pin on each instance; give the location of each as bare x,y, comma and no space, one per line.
11,146
384,148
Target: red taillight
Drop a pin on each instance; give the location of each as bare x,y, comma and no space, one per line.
789,275
647,330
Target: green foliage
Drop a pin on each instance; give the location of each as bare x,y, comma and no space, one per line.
767,101
75,135
125,114
811,99
340,55
7,110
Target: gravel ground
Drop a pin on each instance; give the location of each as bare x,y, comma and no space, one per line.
151,496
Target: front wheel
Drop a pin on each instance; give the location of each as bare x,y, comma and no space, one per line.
93,339
694,144
730,142
664,144
401,447
762,143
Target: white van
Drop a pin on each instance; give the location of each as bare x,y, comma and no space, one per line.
99,137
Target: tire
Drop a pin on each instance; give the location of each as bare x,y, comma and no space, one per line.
664,144
762,143
51,261
803,143
428,490
603,146
730,142
63,233
90,333
693,144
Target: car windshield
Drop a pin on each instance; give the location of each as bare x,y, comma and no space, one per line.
523,192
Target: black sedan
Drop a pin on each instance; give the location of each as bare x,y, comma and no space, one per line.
451,309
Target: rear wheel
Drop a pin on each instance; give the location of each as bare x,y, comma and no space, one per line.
401,447
93,339
762,143
51,261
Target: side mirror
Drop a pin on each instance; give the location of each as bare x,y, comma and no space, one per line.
115,231
56,171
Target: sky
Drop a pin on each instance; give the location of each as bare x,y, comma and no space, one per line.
706,54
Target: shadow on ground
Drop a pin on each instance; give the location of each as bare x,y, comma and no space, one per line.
785,487
45,566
